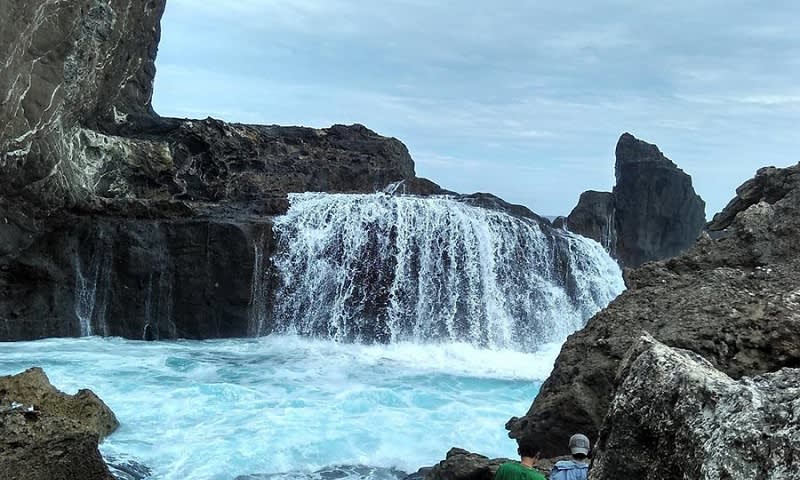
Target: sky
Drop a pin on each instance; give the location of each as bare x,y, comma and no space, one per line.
523,99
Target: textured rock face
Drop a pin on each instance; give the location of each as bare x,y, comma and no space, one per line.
734,300
58,440
593,217
653,212
139,278
68,65
96,189
676,416
460,464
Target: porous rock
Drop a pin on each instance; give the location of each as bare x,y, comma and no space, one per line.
676,416
48,435
734,299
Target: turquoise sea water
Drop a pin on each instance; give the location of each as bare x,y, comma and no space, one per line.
284,404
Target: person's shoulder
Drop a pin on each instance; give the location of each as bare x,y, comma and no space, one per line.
536,475
504,468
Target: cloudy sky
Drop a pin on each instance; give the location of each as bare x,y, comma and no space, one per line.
524,99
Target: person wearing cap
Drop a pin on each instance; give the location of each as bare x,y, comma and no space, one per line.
525,469
578,467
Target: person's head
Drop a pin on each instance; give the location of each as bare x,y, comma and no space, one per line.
579,446
527,449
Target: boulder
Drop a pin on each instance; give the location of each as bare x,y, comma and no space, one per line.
733,299
459,464
676,416
48,435
653,212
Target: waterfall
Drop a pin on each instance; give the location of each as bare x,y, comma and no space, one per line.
91,288
259,290
387,268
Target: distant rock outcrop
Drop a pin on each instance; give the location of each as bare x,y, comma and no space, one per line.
653,212
48,435
675,416
734,299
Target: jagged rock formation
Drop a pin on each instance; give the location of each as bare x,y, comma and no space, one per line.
735,300
97,188
675,416
653,212
58,439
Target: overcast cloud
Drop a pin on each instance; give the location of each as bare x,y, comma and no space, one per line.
522,99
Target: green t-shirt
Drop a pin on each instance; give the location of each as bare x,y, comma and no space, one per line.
517,471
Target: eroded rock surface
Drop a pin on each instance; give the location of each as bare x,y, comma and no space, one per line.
460,464
735,300
58,440
96,188
653,212
675,416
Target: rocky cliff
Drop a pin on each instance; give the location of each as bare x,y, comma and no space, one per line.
97,189
732,299
653,212
675,416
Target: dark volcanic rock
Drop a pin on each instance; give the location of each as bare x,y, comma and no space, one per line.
460,464
109,211
58,440
675,416
69,65
77,121
653,212
593,217
657,213
734,300
187,278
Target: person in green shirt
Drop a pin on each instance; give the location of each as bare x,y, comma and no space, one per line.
525,469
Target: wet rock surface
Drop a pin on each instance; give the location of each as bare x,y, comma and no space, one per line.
675,416
460,464
653,212
735,300
97,189
48,435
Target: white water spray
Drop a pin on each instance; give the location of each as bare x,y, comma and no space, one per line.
403,268
91,290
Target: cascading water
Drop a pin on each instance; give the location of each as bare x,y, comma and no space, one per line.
455,303
91,289
259,289
402,268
